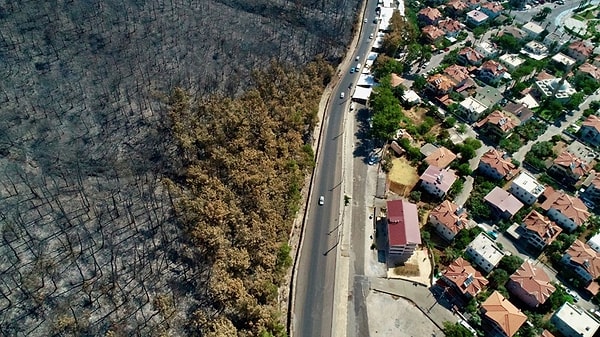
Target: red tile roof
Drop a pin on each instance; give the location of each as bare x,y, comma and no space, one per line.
494,7
457,5
543,226
450,26
440,82
591,70
493,67
432,14
446,214
505,314
432,32
572,163
534,281
499,119
495,159
403,223
471,54
456,72
465,277
441,157
592,121
586,257
441,178
582,48
572,207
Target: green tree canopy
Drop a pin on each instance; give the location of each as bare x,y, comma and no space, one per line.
456,330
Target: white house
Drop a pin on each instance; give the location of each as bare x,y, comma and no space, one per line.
484,252
437,181
526,188
448,219
511,61
472,109
533,30
594,242
573,321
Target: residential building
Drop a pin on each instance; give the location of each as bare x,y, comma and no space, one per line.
580,50
570,166
492,9
539,230
563,61
440,157
556,40
592,191
448,219
533,30
573,321
530,284
464,278
438,181
476,18
439,84
469,56
459,74
556,87
451,27
473,4
504,203
497,124
526,188
590,130
432,33
456,8
495,165
403,229
487,49
594,243
546,333
567,211
515,32
511,61
484,252
429,16
535,50
590,70
502,318
585,262
472,109
520,110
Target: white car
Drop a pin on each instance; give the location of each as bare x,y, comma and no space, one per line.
342,95
370,36
357,57
321,200
366,20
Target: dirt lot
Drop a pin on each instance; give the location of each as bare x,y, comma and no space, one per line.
417,115
403,177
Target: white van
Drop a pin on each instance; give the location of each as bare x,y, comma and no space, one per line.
357,66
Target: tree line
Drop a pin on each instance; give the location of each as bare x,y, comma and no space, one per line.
240,166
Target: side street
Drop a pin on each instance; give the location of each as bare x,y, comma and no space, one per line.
481,121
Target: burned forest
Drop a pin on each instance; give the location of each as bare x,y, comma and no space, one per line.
151,159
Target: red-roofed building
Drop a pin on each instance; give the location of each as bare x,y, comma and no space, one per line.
504,203
441,157
437,181
580,50
494,165
492,9
403,230
491,72
439,84
451,27
470,56
497,124
569,166
463,277
456,7
530,284
590,70
567,211
448,219
429,16
432,33
539,230
459,74
585,262
503,317
590,130
592,192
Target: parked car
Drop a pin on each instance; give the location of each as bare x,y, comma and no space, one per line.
342,95
321,200
357,57
370,36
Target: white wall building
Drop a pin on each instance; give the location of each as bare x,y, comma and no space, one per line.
594,242
526,188
472,109
484,252
573,321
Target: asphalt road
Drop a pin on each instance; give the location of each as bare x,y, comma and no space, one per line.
313,306
552,20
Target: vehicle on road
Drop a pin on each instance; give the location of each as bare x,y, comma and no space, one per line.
351,70
342,95
366,20
573,294
357,57
321,200
357,66
370,36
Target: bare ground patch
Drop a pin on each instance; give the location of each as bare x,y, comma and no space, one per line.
403,177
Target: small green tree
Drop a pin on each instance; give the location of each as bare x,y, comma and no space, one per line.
456,330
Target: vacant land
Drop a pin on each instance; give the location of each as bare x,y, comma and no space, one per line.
90,244
403,177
